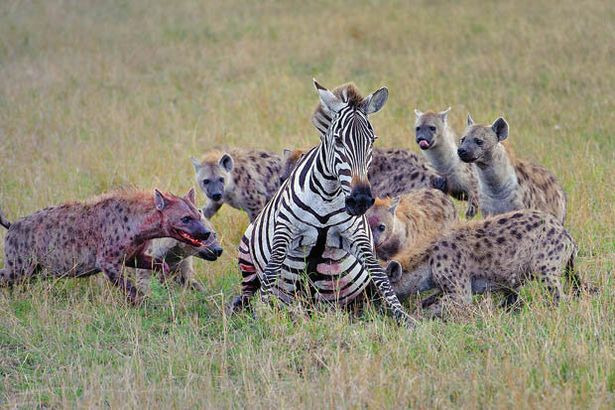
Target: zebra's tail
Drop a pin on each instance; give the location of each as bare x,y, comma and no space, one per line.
3,221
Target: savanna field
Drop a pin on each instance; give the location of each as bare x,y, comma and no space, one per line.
100,95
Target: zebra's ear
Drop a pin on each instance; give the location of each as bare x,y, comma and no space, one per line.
375,101
327,99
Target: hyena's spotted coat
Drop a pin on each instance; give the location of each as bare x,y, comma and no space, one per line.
506,251
244,179
83,238
438,143
406,221
504,182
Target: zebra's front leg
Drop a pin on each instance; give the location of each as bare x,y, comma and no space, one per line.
271,275
362,249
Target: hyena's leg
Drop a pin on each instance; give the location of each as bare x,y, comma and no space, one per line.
186,275
143,279
457,291
249,283
143,261
113,272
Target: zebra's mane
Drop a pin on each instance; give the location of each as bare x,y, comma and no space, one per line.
348,93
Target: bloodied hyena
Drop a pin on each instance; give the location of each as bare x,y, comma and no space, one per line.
178,256
438,143
403,222
244,179
393,171
504,182
83,238
503,251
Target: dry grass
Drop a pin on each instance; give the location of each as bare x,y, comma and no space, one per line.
94,95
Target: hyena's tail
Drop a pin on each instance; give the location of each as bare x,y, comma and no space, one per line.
3,221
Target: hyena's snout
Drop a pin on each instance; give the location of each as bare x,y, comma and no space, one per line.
359,200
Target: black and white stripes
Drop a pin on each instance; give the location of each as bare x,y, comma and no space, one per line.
314,231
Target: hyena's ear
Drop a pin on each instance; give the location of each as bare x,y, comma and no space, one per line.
375,101
286,153
444,114
226,162
393,206
327,99
191,197
469,121
500,127
394,271
418,113
160,200
196,164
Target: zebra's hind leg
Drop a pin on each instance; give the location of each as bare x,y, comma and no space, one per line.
249,282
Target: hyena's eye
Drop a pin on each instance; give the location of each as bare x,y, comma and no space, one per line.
221,180
186,219
418,129
432,128
205,181
462,140
382,227
478,142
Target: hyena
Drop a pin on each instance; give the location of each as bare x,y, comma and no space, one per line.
244,179
104,234
500,253
393,171
178,256
403,222
504,182
438,143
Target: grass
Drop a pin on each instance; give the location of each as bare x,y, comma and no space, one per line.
95,95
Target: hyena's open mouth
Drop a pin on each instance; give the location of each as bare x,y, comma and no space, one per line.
189,239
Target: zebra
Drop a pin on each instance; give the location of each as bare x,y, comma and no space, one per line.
318,214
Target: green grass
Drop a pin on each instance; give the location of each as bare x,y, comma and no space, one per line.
96,95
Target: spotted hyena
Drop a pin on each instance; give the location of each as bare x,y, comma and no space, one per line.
504,251
244,179
178,256
438,143
104,234
504,182
403,222
393,171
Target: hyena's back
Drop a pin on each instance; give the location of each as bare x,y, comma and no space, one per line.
540,189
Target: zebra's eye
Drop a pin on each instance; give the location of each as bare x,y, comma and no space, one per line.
337,138
478,142
382,227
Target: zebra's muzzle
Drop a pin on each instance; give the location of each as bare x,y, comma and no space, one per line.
359,200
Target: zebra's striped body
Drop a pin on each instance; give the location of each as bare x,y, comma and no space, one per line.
317,216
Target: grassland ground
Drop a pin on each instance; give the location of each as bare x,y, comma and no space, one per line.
97,95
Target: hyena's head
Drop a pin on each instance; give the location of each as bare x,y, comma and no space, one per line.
210,250
348,138
213,174
180,219
429,128
381,219
479,141
290,159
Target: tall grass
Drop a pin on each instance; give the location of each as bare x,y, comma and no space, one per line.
95,95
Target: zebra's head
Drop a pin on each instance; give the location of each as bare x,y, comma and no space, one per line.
348,138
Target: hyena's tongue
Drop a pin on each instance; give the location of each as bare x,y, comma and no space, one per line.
423,144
